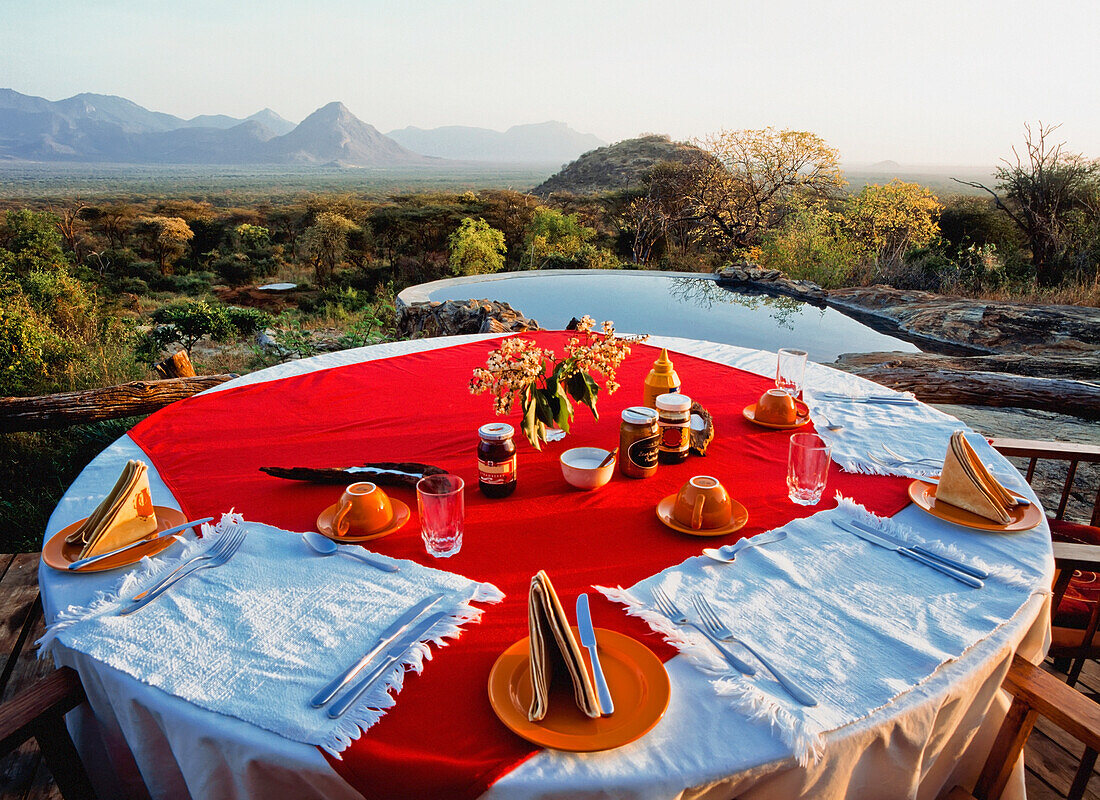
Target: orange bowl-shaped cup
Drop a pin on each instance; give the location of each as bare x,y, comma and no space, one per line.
776,407
702,503
363,509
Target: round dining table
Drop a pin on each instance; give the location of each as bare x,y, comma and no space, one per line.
140,741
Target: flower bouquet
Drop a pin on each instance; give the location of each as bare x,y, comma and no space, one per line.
547,386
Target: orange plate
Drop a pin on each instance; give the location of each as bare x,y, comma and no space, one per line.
59,554
750,414
637,679
401,515
1024,518
737,520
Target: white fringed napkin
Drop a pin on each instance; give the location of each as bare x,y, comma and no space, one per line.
258,636
854,623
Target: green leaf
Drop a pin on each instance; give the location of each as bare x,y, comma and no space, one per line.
543,408
530,423
564,413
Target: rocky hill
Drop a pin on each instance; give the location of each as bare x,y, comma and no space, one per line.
618,166
333,135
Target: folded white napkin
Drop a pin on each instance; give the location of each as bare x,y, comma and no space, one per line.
854,623
257,637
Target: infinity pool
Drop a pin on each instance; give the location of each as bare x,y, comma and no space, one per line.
669,304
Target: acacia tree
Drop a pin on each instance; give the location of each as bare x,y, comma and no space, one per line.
476,248
893,219
1042,192
744,189
326,243
165,239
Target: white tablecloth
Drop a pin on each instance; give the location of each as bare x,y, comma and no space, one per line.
143,741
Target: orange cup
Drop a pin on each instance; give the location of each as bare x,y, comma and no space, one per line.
703,503
363,509
776,407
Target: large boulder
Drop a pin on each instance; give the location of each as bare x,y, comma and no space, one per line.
454,317
746,275
993,327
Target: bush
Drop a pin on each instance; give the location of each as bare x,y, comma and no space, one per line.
235,269
189,321
247,321
814,244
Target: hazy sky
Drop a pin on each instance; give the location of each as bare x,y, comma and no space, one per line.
917,81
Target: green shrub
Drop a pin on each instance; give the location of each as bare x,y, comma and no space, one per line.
235,269
189,321
246,321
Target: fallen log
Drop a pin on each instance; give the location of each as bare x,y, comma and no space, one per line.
979,388
95,405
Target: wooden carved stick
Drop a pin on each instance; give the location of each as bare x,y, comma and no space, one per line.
383,473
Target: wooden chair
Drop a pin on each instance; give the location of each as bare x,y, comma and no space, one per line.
1036,693
39,712
1076,555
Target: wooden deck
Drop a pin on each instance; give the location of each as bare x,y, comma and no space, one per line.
1051,758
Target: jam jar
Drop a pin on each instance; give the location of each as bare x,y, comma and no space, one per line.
638,442
674,421
496,460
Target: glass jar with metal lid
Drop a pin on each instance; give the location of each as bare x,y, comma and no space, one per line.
496,460
638,442
674,422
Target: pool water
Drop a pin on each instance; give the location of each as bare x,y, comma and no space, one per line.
669,304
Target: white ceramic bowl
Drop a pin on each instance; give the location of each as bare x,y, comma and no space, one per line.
581,468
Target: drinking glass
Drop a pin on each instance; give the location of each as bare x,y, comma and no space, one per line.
807,468
790,371
442,508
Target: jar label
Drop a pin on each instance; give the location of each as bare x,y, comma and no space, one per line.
496,473
674,438
643,452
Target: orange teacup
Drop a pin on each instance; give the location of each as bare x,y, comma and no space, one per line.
776,407
702,503
363,509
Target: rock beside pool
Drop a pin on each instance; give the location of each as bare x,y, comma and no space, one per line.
454,317
746,275
993,327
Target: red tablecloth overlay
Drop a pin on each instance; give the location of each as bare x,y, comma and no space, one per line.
442,738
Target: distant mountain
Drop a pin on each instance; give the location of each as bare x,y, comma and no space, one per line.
333,135
545,142
104,128
620,166
889,165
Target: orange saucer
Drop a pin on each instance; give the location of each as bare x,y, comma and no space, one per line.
803,417
737,521
401,515
923,495
637,679
58,553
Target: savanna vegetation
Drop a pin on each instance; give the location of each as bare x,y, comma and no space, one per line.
93,291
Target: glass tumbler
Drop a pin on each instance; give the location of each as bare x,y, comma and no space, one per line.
442,508
790,371
807,468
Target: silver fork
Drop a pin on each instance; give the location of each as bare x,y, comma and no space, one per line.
219,554
669,609
901,462
716,628
900,457
215,551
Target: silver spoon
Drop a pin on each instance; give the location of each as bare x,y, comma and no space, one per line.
728,554
829,424
327,547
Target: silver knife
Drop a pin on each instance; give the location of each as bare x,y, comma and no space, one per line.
1021,501
384,640
962,577
961,566
83,562
588,639
347,700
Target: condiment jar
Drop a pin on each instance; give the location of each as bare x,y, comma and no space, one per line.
674,422
496,460
638,440
662,379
